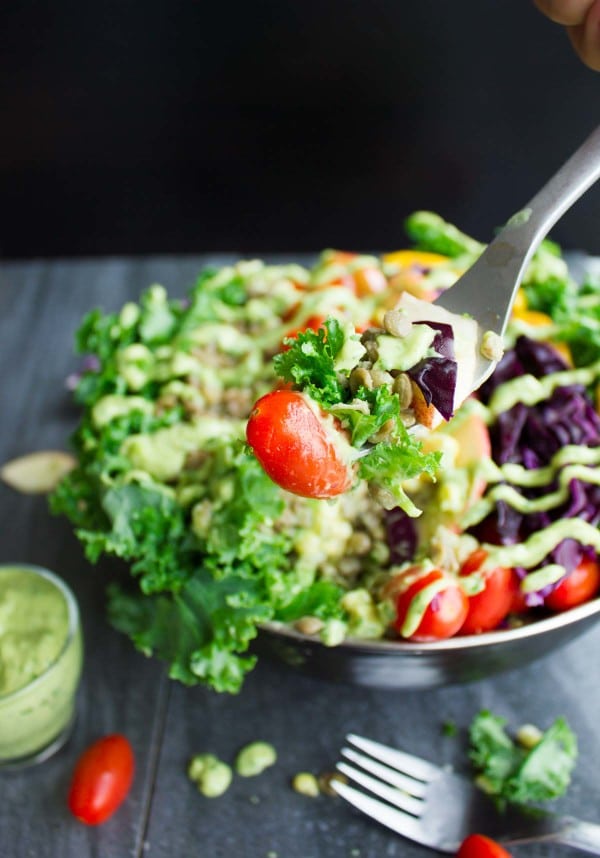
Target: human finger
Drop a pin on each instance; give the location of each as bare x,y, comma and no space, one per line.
586,37
569,13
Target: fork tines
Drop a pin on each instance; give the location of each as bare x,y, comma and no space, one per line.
400,779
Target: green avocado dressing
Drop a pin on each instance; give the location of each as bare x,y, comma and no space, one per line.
530,390
571,462
402,353
546,502
34,624
40,662
532,551
419,604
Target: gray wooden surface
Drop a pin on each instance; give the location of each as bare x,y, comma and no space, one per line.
306,719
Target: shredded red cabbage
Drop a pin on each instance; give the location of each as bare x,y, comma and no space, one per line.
436,375
530,436
401,536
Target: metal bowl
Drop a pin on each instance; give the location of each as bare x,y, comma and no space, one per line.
406,665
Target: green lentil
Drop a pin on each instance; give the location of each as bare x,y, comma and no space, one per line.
211,775
306,784
528,735
255,758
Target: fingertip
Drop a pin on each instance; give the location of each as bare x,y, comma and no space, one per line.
585,38
568,13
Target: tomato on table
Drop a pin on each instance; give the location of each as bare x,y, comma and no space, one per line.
299,447
491,605
575,588
101,780
437,600
480,846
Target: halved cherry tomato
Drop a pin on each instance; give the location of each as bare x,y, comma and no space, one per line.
369,281
491,605
300,448
575,588
480,846
445,611
101,780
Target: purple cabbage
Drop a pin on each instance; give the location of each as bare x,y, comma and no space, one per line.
436,375
530,436
401,536
527,435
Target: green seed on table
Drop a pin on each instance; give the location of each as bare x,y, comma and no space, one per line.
211,775
255,758
306,784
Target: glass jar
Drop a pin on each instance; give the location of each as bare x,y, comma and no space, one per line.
41,655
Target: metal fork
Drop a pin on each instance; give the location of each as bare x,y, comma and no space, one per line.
487,289
438,808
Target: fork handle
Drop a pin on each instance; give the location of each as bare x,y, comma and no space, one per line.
529,226
501,265
566,830
584,836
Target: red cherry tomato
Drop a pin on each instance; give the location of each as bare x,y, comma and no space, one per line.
369,281
479,846
299,450
313,323
101,780
445,612
519,604
578,586
491,605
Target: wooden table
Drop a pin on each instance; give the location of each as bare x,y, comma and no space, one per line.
306,719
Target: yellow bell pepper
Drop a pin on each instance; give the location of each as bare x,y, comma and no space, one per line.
406,258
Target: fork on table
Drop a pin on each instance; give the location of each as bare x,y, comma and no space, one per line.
439,808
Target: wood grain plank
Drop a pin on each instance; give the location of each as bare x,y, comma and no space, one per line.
41,306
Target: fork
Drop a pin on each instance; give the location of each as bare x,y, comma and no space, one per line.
439,808
487,289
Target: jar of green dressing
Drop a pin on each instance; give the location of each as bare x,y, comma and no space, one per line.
41,656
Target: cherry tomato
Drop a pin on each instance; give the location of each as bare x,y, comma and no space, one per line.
369,281
479,846
445,613
300,448
518,604
491,605
313,323
576,587
101,780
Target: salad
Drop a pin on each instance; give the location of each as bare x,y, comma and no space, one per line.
485,518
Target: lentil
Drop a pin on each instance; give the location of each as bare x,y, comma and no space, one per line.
360,377
255,758
402,386
309,625
306,784
381,377
396,323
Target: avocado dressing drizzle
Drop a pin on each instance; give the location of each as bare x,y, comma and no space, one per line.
571,462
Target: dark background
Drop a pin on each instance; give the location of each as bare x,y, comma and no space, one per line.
180,126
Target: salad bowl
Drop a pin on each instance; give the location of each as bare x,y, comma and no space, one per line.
220,557
398,665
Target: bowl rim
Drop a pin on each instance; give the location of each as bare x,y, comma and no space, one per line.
535,628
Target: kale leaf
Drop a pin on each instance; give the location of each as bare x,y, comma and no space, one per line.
309,362
514,774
